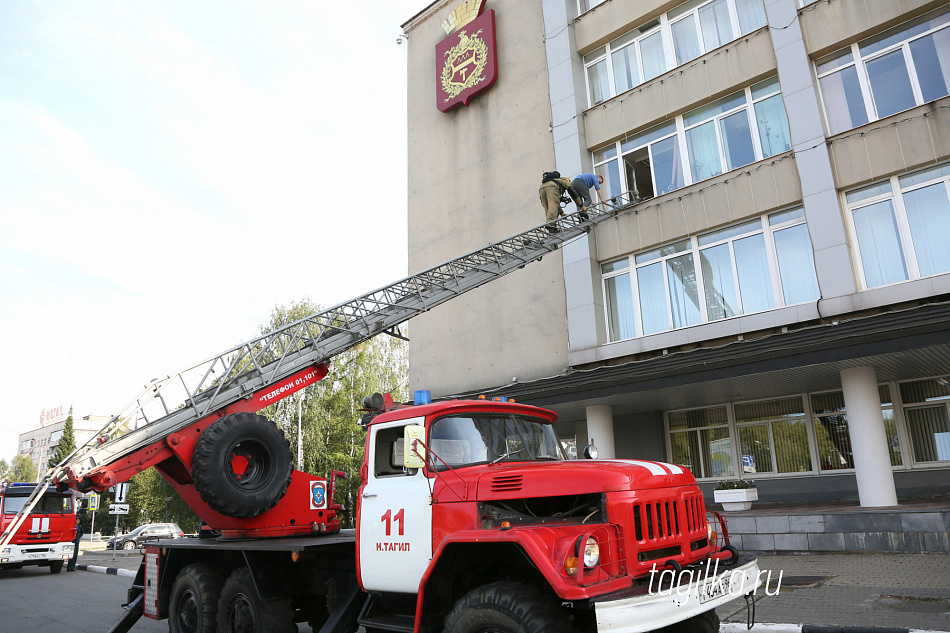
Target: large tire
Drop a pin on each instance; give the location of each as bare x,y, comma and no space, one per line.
507,607
240,610
193,607
707,622
56,566
242,465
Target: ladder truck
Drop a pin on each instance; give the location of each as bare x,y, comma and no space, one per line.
469,516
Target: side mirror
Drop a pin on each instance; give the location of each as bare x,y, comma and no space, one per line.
414,451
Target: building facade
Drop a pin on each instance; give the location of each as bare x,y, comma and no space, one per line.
41,443
771,299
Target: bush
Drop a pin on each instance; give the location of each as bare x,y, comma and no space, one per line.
735,484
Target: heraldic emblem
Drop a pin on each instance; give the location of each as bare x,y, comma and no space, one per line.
466,58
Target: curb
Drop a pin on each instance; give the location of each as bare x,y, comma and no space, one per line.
112,571
738,627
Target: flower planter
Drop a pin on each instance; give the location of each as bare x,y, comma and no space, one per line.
736,499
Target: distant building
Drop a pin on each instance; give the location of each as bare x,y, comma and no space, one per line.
41,443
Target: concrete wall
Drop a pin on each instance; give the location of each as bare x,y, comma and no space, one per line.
827,26
877,150
473,179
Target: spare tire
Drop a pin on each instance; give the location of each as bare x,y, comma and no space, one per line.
242,465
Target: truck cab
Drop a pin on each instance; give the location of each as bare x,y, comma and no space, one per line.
472,500
45,538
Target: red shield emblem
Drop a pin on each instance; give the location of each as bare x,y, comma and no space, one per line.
466,63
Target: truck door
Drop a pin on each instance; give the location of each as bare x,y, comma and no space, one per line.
395,515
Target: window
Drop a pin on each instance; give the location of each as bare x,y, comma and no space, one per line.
773,436
700,441
744,127
891,72
750,267
928,422
587,5
832,434
688,31
466,440
900,227
779,437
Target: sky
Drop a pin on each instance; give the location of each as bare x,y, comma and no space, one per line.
172,171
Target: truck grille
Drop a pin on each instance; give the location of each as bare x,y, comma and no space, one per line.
35,550
506,483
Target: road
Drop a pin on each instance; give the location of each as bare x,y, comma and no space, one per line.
34,600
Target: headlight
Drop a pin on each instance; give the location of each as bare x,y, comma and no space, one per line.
591,553
68,548
6,550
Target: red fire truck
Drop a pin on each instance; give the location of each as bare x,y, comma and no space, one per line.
45,538
469,519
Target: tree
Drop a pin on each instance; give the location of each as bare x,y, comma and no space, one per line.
67,443
4,470
22,469
330,409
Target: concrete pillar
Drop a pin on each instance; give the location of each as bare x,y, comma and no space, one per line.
872,460
600,429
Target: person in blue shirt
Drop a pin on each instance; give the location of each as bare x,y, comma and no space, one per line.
582,184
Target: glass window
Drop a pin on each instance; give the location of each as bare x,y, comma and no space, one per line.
667,168
773,126
882,256
929,433
919,202
738,274
706,448
780,445
901,68
693,28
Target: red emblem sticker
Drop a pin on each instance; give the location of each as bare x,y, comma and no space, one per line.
466,62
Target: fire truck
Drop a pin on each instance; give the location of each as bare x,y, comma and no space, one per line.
469,516
45,538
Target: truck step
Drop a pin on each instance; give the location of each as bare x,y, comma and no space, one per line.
389,622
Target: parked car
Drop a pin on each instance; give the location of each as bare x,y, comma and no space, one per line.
148,532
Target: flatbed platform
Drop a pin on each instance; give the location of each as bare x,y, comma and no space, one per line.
288,544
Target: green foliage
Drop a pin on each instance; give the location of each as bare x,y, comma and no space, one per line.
735,484
146,500
22,469
330,409
67,443
4,470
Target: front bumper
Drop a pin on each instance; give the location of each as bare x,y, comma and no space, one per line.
39,554
663,605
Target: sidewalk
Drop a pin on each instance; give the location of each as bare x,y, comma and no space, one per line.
910,591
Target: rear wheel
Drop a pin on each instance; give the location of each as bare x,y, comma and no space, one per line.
56,566
194,600
242,465
128,545
506,607
240,610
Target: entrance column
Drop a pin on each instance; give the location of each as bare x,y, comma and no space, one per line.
872,459
600,429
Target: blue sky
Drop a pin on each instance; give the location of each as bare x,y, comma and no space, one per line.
172,171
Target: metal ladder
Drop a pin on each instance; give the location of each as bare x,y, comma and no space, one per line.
171,403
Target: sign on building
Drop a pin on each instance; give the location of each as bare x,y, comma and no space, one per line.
466,61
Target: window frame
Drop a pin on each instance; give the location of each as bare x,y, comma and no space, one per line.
665,28
904,233
860,62
764,228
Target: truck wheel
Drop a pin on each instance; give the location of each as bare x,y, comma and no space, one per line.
240,610
506,607
707,622
194,600
242,465
56,566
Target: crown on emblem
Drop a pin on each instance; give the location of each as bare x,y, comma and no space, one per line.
462,15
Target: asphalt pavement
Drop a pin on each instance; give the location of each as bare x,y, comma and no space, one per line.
909,591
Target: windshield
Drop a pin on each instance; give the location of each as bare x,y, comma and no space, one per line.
49,504
479,439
